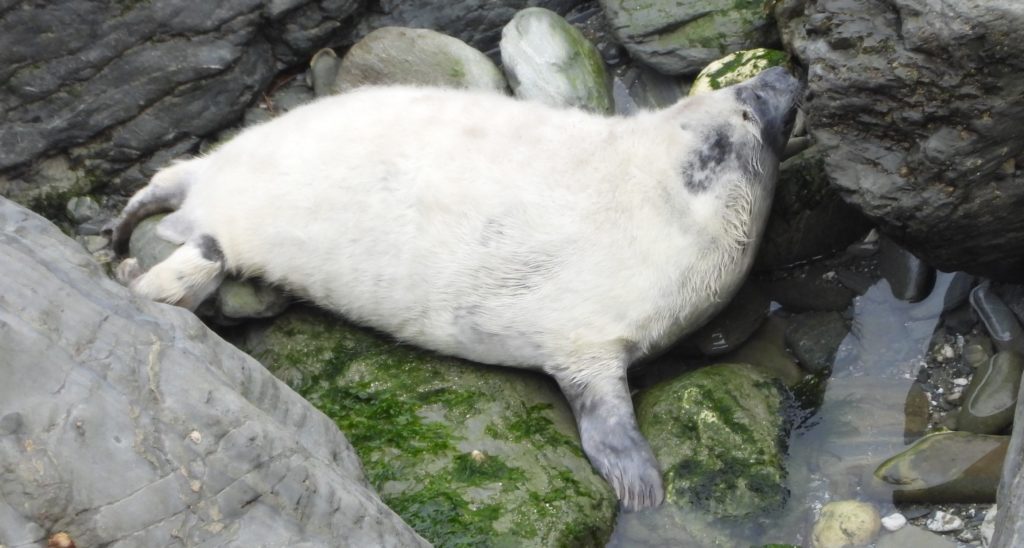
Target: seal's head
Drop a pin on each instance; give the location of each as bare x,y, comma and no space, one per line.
769,102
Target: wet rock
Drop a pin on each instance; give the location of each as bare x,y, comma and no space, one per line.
465,453
946,467
128,423
814,337
942,522
736,67
548,60
640,88
735,324
817,290
147,246
809,219
988,527
914,537
476,22
683,37
716,433
393,55
909,278
931,90
111,85
1000,322
977,350
766,351
991,398
845,523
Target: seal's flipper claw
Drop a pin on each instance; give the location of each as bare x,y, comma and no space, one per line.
612,440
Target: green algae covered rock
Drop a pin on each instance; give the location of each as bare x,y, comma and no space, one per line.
737,67
467,454
717,433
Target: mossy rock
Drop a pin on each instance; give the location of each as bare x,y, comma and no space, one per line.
717,433
468,455
737,67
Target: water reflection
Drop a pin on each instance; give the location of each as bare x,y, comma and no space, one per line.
870,410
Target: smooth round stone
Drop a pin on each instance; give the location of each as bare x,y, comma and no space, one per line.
323,71
947,467
735,324
909,277
1000,322
246,299
548,60
846,523
977,350
82,208
146,246
814,337
766,351
404,56
737,67
894,521
991,398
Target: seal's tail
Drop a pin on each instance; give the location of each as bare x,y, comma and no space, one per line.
165,192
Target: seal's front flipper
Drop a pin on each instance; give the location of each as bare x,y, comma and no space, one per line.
611,438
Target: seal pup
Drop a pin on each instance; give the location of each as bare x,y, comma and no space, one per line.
493,229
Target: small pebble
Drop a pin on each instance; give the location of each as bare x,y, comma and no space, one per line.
894,521
195,437
943,522
961,381
477,456
947,352
954,397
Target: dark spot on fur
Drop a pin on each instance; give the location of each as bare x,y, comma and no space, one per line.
209,249
699,173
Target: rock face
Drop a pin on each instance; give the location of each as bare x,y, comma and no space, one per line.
467,454
106,85
682,36
917,104
128,423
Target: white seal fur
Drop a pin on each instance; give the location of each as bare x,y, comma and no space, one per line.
497,230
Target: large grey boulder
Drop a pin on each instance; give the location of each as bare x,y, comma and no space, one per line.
917,104
476,22
128,423
89,89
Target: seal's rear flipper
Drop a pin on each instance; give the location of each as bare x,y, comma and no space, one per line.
186,277
610,435
165,192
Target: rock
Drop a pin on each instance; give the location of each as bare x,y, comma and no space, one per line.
977,350
894,521
845,523
1009,528
682,37
809,219
393,55
942,522
946,467
991,397
640,88
465,453
931,91
735,324
1000,322
282,97
737,67
766,351
988,526
323,72
546,59
909,278
819,289
914,537
236,299
476,22
100,396
814,337
716,432
111,87
82,208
